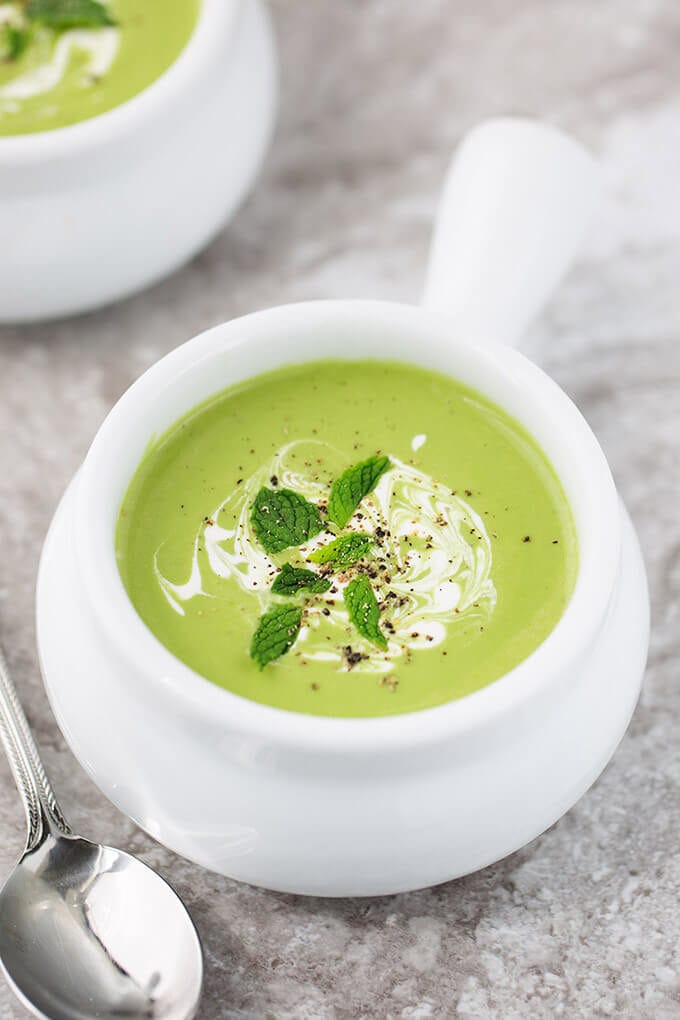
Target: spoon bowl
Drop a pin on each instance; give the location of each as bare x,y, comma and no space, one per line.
89,931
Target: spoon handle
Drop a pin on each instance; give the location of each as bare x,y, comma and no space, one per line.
40,803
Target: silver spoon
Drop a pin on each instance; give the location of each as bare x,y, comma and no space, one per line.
85,930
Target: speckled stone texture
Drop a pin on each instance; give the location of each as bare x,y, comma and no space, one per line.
585,921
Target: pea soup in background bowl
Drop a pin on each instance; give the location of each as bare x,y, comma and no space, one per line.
247,592
65,61
129,133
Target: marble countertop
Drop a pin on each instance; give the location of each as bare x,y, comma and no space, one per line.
583,922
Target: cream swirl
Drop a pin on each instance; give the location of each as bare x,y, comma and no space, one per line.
100,45
433,557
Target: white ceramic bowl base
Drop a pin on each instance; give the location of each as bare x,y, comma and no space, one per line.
103,208
356,824
363,806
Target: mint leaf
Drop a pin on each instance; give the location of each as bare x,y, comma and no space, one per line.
63,14
353,484
276,633
342,551
291,580
282,518
15,41
364,611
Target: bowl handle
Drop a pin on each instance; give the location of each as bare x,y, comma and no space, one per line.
516,201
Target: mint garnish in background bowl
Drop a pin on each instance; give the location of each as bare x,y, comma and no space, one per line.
57,15
65,14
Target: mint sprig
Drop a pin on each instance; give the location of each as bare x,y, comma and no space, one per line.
364,611
292,580
65,14
276,633
342,551
353,484
282,518
15,40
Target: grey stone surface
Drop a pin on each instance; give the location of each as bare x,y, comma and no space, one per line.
584,922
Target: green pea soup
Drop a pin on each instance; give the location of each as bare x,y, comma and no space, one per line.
460,555
52,77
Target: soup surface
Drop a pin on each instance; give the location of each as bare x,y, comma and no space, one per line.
348,539
64,61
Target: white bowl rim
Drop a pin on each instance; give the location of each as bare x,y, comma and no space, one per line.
215,23
572,636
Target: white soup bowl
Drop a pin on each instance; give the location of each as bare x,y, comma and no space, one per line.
102,208
334,806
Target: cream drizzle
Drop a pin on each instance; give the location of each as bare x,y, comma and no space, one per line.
438,548
100,44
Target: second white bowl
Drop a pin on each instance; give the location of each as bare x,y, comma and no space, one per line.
105,207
